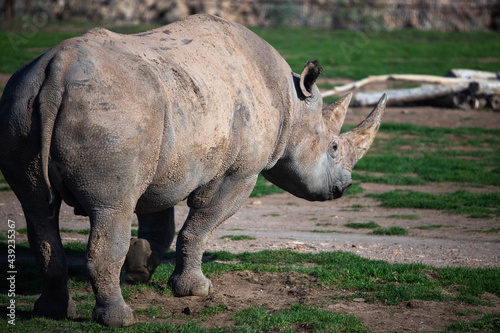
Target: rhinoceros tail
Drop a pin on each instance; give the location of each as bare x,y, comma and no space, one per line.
50,98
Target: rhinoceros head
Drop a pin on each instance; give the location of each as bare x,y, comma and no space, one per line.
318,160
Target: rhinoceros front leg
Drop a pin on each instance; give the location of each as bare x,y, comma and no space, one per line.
108,244
210,206
156,232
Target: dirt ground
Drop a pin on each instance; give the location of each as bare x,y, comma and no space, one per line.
282,221
278,291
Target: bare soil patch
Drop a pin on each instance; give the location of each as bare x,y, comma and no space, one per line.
4,78
279,291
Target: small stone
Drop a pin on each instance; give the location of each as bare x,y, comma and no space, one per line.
257,202
359,300
404,111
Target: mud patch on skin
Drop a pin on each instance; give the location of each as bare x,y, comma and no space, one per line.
46,252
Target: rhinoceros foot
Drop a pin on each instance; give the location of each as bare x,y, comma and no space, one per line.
118,315
57,309
190,283
140,262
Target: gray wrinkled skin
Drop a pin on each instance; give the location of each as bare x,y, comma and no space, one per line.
115,124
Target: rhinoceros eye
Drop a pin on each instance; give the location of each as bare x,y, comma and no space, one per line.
332,151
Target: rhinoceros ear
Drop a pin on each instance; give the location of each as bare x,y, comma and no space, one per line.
311,71
334,114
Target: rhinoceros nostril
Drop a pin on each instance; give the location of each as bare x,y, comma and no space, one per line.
339,189
346,187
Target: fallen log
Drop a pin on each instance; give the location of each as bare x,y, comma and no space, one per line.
494,101
393,77
473,74
400,96
466,89
463,95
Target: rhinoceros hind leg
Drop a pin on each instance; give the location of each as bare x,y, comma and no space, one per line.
156,232
45,242
55,308
140,261
108,244
210,206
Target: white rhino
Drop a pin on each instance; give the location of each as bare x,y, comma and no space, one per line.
115,124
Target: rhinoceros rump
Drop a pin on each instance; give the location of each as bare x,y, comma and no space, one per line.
115,124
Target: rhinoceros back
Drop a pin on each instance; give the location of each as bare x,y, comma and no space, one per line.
190,102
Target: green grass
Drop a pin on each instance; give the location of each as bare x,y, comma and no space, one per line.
373,280
488,231
430,168
429,227
476,205
487,323
359,206
214,310
237,237
39,324
263,187
391,231
339,269
423,52
78,231
260,319
416,155
325,231
324,224
391,179
3,183
403,216
361,225
355,189
271,214
20,46
159,312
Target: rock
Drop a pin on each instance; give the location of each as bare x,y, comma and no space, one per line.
372,15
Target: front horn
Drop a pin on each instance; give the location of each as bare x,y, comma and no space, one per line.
361,137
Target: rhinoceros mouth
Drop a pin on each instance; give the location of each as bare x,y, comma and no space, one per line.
338,191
